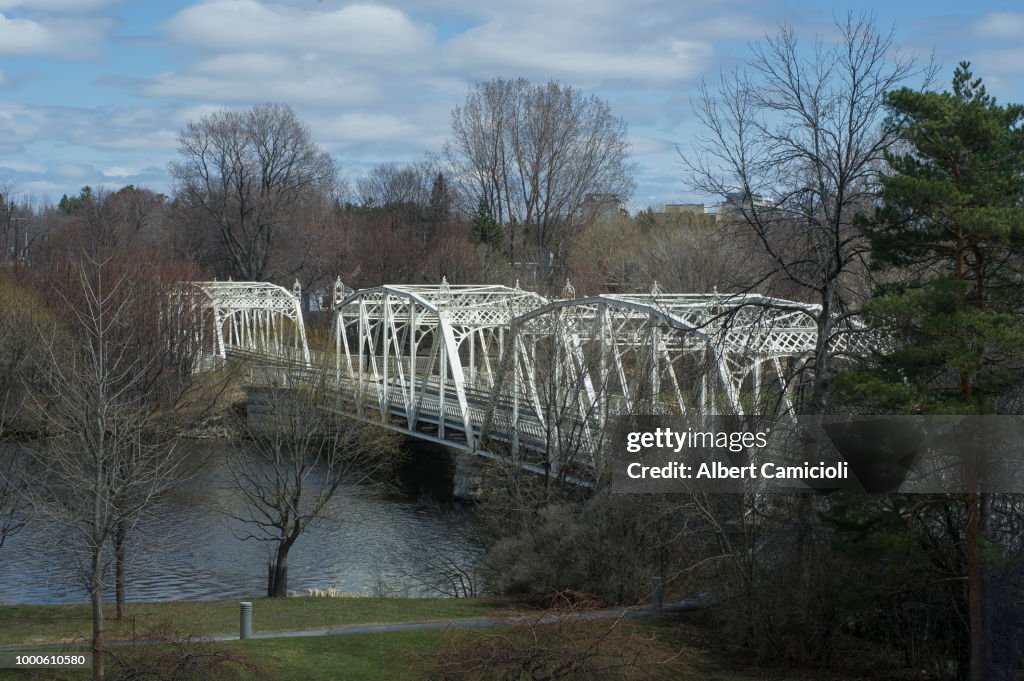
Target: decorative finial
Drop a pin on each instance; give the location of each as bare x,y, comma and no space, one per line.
339,291
655,289
445,291
297,288
569,292
517,285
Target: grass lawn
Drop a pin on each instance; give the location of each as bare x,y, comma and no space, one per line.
680,651
399,656
362,657
30,624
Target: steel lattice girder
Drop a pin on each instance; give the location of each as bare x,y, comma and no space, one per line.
572,363
256,317
494,363
426,354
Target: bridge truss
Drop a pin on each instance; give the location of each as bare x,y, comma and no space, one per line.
426,355
249,317
481,367
572,364
487,368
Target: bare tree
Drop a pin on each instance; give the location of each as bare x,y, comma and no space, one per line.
679,252
247,172
102,398
9,219
792,146
394,185
534,153
292,460
22,224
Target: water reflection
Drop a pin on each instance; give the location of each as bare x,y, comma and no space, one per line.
187,548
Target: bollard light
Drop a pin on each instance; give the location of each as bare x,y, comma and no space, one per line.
245,620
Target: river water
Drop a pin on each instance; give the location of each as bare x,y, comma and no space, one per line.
187,547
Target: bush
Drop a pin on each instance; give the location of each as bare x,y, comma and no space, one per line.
609,546
561,644
179,659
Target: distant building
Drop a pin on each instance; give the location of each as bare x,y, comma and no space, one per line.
680,215
690,208
738,203
602,208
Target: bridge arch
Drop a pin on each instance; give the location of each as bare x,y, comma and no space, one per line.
251,317
426,355
570,365
493,369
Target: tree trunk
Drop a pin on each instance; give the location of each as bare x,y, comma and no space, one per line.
96,598
120,542
979,661
277,586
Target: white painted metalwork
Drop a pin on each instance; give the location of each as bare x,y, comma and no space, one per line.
426,355
253,317
572,364
480,367
489,368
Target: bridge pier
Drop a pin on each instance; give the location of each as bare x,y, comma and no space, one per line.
266,406
468,479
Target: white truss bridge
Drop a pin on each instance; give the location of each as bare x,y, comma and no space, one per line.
500,371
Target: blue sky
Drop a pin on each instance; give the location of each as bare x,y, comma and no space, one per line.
94,91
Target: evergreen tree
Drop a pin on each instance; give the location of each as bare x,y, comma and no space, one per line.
440,206
947,237
948,233
486,229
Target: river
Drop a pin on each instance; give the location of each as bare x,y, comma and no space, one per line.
187,547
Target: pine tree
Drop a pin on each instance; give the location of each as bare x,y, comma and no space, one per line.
947,234
486,229
949,230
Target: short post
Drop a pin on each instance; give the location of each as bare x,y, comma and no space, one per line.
245,620
656,603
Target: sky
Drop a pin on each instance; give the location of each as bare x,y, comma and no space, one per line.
94,92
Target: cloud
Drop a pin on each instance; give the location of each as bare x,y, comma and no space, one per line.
1000,25
144,131
585,50
19,125
365,126
75,146
340,57
54,37
374,79
671,60
76,6
640,145
50,180
23,36
732,27
358,29
991,64
258,77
